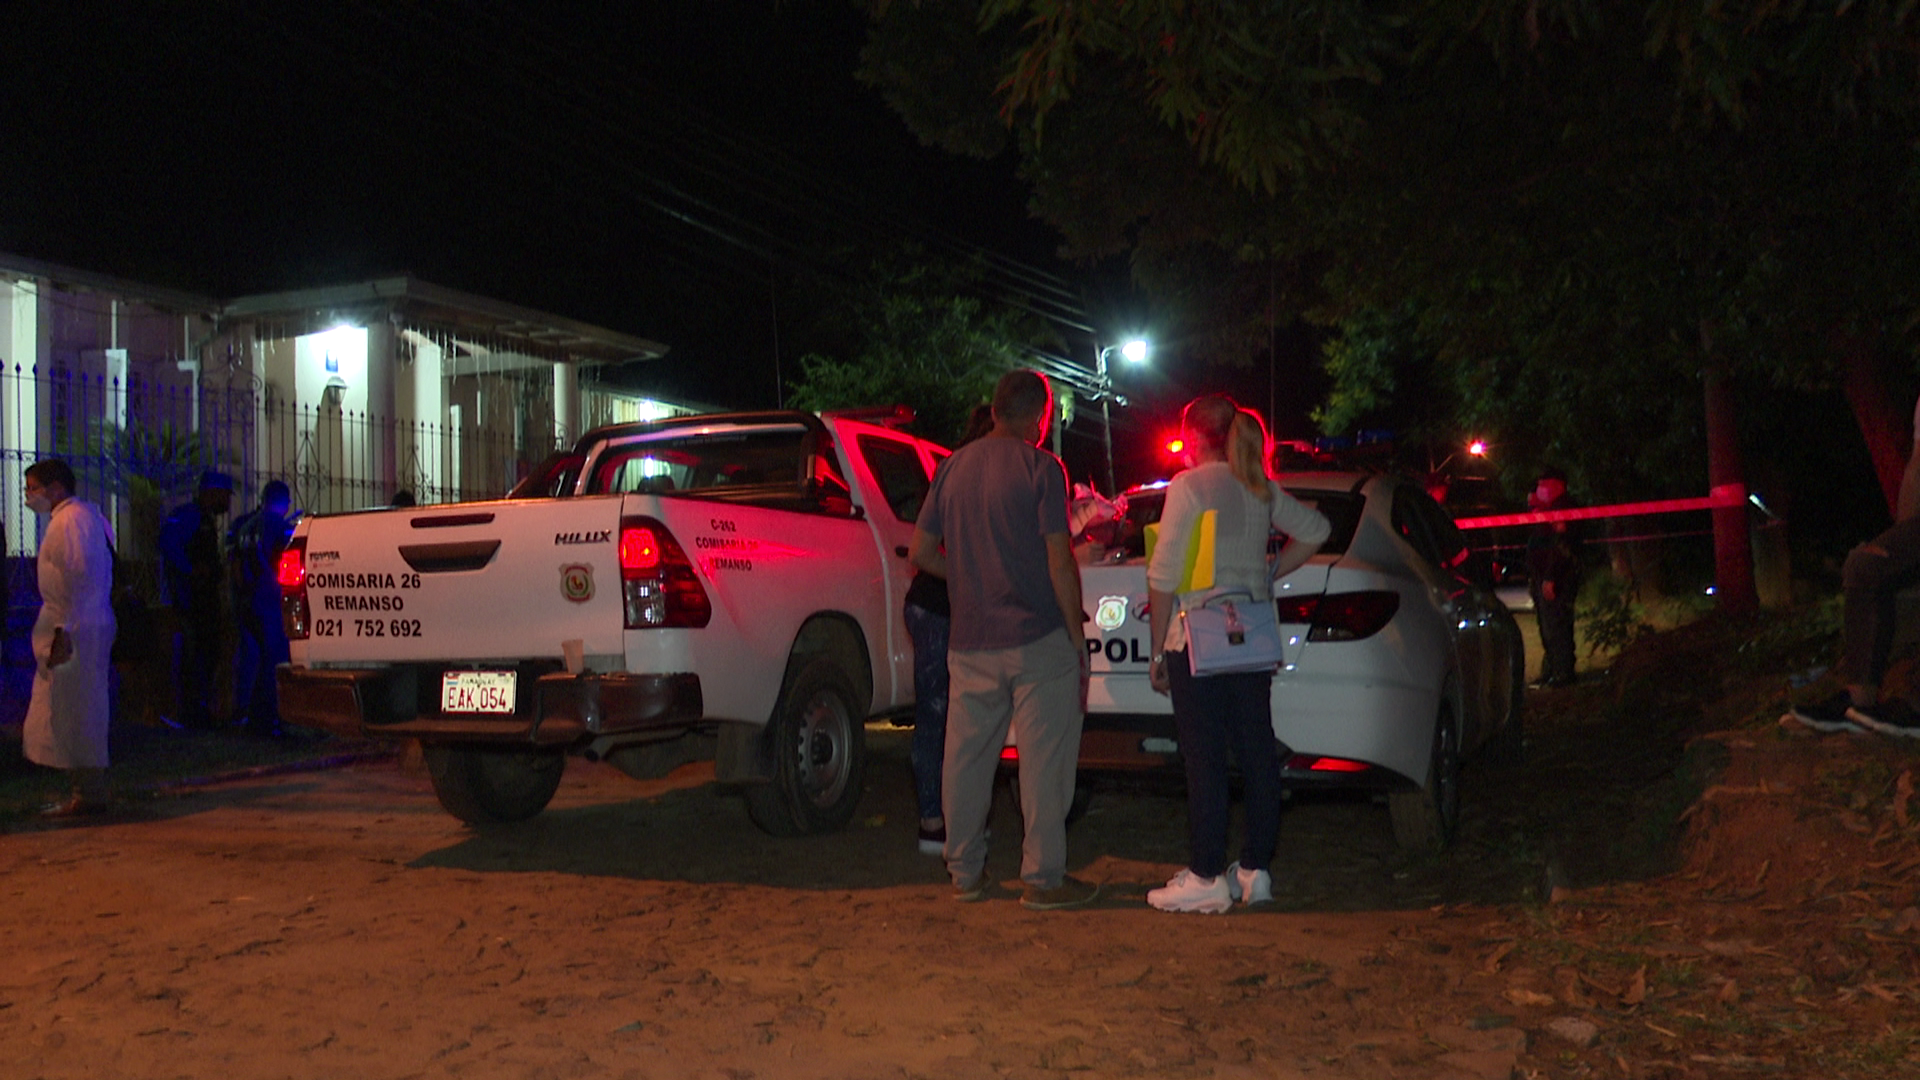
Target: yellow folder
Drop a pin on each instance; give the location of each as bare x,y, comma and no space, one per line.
1198,571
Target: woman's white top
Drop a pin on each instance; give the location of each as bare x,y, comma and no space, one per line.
1242,526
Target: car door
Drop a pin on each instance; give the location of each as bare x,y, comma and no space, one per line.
1480,628
899,471
1414,515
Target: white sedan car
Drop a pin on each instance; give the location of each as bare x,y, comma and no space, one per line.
1400,661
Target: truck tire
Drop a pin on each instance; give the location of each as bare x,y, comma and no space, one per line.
820,756
484,785
1425,820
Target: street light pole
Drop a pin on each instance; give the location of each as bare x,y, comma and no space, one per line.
1106,413
1135,350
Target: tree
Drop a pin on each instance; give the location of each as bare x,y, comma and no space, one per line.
1564,212
910,337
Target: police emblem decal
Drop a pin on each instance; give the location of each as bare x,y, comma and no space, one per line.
576,582
1111,612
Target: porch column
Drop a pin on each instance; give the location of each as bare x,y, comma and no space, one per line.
116,371
381,421
566,404
431,440
23,337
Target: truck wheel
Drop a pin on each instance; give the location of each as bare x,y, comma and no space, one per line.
1425,820
820,755
482,785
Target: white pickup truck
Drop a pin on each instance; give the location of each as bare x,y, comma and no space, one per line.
722,587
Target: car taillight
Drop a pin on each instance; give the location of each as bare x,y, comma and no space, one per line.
292,575
1346,616
1316,763
657,581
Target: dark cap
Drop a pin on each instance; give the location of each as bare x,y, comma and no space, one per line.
215,481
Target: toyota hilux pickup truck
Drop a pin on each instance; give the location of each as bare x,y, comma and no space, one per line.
722,587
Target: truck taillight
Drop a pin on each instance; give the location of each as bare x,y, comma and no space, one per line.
292,575
657,581
1348,616
639,550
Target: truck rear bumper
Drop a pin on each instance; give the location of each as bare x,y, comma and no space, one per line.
556,709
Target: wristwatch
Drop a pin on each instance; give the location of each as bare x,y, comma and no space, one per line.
1156,658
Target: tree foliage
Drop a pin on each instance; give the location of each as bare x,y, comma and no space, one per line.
1536,219
912,337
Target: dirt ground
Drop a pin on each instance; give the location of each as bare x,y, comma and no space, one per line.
338,923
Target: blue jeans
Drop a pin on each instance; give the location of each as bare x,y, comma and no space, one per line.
262,648
1211,715
929,633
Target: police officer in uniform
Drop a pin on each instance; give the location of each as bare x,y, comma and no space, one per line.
190,551
254,544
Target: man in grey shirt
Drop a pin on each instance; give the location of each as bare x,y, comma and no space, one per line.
995,526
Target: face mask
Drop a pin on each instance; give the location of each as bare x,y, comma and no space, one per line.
40,504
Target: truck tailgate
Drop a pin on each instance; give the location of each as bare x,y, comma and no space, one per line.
468,581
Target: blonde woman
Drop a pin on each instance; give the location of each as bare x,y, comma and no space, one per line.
1227,453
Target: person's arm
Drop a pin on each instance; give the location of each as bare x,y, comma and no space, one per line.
1065,573
926,554
1163,576
66,551
1306,529
1159,621
1908,506
1293,555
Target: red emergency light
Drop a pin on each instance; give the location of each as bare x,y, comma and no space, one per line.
1176,445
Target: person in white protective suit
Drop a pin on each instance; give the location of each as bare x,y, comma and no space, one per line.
66,724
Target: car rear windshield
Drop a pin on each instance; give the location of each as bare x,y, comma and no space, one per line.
701,462
774,466
1342,509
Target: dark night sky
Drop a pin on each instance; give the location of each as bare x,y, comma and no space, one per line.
654,168
549,159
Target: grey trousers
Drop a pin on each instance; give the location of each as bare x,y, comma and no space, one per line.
1035,689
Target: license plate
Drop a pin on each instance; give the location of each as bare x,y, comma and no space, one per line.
476,692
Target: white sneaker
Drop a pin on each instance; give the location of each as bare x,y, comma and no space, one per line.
1255,885
1189,891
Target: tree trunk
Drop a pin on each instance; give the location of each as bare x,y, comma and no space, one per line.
1883,423
1732,549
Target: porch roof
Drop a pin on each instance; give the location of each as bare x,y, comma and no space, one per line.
19,266
421,303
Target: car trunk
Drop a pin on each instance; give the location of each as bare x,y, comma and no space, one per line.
1117,596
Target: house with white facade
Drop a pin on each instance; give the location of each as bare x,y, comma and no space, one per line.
349,393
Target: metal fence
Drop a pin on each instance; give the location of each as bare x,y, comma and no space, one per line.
138,446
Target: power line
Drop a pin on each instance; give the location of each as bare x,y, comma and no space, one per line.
803,196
